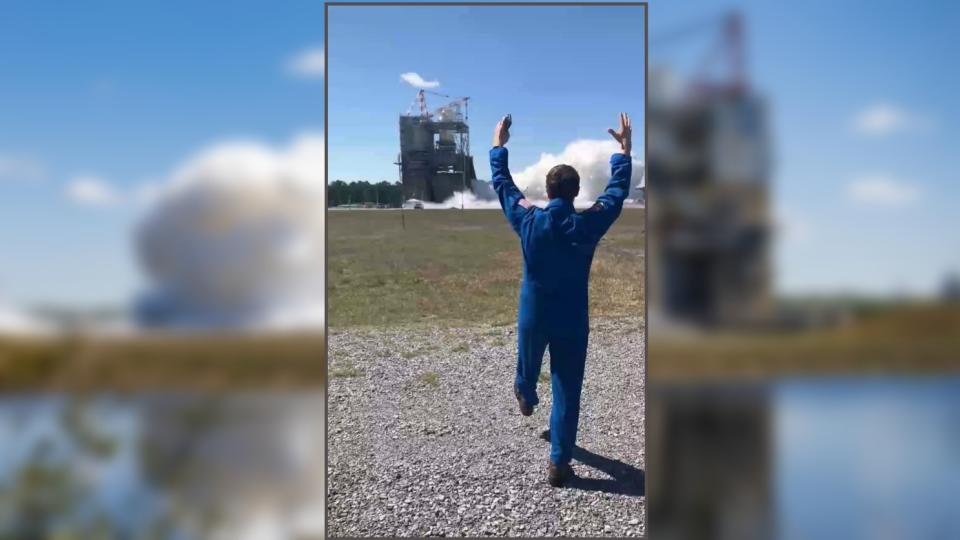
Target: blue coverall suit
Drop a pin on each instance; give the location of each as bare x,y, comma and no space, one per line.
558,245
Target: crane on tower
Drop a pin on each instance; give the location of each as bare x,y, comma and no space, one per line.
420,102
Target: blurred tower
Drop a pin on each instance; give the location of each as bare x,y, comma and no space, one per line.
710,457
950,291
709,165
435,158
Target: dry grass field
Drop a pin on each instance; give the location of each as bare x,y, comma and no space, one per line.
219,362
448,269
918,338
457,268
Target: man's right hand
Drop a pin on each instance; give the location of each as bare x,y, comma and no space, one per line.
624,136
501,134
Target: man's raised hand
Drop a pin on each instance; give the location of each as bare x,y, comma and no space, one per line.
624,136
501,134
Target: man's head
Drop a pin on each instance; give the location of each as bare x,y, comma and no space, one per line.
563,182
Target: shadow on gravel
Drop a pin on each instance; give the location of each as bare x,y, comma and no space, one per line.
625,479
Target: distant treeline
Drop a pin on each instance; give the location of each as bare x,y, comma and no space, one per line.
386,193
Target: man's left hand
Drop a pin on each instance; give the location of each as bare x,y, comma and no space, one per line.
501,134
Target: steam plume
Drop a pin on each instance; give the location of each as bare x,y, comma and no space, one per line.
591,158
235,239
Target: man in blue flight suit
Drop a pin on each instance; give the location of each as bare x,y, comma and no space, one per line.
558,245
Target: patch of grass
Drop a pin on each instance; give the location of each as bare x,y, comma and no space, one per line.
500,342
429,378
345,372
461,348
544,376
418,352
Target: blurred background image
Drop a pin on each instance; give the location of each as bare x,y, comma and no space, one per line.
804,325
161,270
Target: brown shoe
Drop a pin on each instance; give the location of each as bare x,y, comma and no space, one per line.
525,408
557,475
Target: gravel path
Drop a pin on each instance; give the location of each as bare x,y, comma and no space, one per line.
425,437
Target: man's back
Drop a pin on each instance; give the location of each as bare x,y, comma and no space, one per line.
558,244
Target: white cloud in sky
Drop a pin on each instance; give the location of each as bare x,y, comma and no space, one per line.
884,119
308,64
882,190
89,190
16,168
415,80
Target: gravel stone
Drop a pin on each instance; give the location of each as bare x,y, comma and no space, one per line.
448,454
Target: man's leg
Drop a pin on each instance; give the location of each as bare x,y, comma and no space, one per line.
568,356
530,347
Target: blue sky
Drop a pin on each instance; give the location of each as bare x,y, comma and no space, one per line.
126,91
563,72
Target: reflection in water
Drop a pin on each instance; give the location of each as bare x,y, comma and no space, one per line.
162,467
869,459
708,462
851,458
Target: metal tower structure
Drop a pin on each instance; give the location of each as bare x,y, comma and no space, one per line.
435,160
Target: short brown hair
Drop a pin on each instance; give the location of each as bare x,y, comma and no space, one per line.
563,182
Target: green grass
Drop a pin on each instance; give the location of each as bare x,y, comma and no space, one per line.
454,268
429,378
345,372
418,352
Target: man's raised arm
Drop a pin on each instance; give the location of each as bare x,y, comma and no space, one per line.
514,204
608,205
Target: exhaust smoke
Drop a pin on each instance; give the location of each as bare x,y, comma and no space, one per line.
234,239
591,158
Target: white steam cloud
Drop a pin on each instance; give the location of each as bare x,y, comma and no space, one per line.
234,239
591,158
467,199
415,80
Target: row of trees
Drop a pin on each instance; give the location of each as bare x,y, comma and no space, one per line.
340,193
